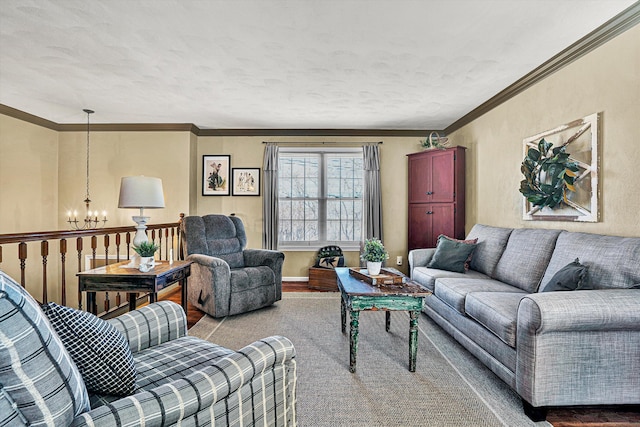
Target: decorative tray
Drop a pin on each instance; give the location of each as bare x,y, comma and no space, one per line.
386,277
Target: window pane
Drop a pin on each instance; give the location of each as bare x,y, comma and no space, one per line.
297,187
284,209
311,188
284,167
311,209
357,188
297,231
311,230
333,188
284,232
333,209
297,209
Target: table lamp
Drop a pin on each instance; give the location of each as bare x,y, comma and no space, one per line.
141,192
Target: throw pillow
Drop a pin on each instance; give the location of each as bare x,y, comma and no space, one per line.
100,351
451,255
467,263
39,383
568,278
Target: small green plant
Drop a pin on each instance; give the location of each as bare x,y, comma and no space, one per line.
146,249
374,251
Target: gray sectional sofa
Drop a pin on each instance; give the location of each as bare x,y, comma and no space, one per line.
562,348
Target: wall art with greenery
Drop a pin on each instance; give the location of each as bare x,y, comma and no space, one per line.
560,173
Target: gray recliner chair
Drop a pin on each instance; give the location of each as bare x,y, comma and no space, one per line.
226,278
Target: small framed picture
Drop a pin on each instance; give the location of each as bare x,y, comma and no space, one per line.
215,175
246,181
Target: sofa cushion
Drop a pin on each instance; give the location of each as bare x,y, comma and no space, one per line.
491,244
36,372
453,292
427,276
526,257
99,350
452,255
167,362
496,311
568,278
613,261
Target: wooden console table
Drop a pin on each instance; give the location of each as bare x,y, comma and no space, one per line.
119,278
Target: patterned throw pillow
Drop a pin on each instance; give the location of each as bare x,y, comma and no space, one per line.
39,383
100,351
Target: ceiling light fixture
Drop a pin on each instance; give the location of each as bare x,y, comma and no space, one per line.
91,219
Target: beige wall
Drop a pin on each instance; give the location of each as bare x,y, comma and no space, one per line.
606,81
165,155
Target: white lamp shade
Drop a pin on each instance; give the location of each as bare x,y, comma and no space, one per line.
141,192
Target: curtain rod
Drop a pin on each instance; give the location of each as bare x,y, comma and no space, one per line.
322,142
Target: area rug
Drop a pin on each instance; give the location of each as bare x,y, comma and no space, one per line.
449,388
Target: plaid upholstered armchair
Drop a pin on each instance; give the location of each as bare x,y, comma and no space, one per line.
226,278
60,366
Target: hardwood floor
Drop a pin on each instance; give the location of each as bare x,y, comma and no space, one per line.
566,417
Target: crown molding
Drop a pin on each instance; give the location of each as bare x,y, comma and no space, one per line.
316,132
131,127
29,118
625,20
190,127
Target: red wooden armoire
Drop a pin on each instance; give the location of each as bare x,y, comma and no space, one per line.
436,196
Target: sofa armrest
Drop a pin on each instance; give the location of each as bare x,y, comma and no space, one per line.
151,325
579,348
266,368
266,257
589,310
420,258
256,257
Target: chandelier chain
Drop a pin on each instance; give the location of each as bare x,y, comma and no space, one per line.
88,114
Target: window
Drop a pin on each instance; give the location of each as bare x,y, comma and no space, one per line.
320,197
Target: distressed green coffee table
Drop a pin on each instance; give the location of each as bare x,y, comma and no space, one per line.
358,295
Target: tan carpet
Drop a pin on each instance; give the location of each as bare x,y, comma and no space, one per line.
449,387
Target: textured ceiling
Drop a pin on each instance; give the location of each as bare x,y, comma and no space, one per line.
273,64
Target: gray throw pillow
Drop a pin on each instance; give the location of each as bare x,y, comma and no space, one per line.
569,278
451,255
99,350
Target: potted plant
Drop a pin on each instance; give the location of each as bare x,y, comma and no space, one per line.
146,250
374,254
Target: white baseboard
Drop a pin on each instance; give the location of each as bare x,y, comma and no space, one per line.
295,279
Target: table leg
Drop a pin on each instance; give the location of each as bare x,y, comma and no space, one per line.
92,306
343,314
353,340
132,300
413,339
387,324
153,297
183,287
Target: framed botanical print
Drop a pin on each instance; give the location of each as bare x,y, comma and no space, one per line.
215,175
246,181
